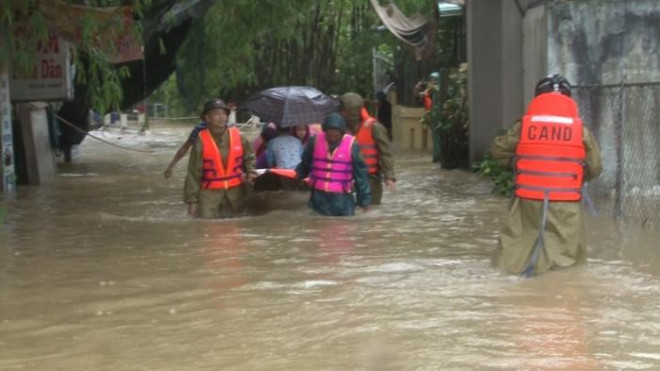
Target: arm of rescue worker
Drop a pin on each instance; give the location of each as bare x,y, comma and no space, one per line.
249,159
416,89
177,157
504,146
385,158
193,174
361,176
593,162
303,168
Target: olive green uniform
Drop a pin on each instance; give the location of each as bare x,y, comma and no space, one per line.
216,203
564,238
385,162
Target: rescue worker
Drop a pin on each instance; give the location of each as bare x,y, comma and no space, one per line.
427,92
374,144
192,137
220,163
336,170
552,155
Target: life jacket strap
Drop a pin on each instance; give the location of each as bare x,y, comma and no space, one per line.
548,158
347,185
207,181
548,173
548,188
329,161
347,171
538,244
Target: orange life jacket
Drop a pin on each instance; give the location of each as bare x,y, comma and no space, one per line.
367,144
550,155
215,175
428,102
364,114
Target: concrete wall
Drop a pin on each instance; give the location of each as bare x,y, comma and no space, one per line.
605,42
535,50
495,73
407,130
611,43
511,90
39,156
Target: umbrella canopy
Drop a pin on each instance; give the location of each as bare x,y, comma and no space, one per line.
291,105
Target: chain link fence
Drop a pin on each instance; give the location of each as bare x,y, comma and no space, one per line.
625,120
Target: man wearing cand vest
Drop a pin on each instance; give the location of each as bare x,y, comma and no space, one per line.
220,163
552,155
337,173
374,144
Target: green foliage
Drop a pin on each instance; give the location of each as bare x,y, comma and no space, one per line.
448,49
241,46
168,94
501,175
17,17
449,120
223,50
357,40
101,79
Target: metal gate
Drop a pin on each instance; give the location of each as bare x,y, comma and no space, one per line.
625,119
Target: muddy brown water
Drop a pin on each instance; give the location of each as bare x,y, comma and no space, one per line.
101,270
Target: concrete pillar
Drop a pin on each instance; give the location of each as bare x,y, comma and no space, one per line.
495,70
141,119
123,121
7,177
39,155
232,118
535,50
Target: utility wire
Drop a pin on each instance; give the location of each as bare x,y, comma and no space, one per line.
100,139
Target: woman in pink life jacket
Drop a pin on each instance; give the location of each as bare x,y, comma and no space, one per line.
338,174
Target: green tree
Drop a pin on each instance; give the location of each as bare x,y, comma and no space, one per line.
449,119
242,46
223,49
23,25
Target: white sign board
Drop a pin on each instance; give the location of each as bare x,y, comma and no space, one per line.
51,76
8,180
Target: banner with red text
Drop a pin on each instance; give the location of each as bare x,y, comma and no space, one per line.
51,76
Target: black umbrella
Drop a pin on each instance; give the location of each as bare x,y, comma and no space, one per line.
291,105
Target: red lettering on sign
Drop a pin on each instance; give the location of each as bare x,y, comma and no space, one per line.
52,45
50,69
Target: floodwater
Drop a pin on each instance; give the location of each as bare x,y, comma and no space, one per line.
102,270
